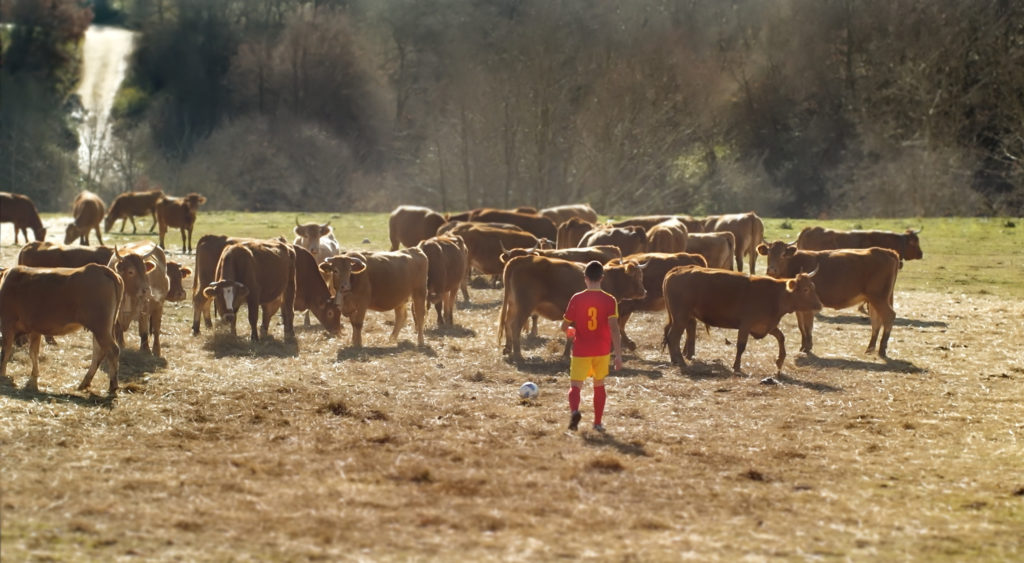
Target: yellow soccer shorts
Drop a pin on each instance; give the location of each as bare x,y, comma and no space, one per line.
583,367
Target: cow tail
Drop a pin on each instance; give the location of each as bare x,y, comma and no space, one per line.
506,290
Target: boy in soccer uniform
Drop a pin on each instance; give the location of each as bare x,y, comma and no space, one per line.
594,315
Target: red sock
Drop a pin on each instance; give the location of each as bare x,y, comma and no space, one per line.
574,398
599,397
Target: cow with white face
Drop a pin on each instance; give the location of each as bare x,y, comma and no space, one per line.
319,241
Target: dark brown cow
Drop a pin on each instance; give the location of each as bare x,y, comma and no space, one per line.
748,230
571,231
261,275
129,205
717,248
545,285
656,266
906,244
845,278
645,221
144,294
723,298
88,210
630,240
583,255
485,245
312,294
56,301
19,209
537,225
450,226
180,213
562,213
668,236
176,274
448,264
380,281
208,251
693,224
52,255
409,225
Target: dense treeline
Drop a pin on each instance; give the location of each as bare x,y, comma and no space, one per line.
789,107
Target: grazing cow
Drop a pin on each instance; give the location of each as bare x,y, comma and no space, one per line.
180,213
562,213
19,209
485,245
752,304
545,285
261,275
88,210
906,244
52,255
571,231
537,225
717,248
312,293
409,225
747,228
656,267
630,240
130,205
208,251
845,278
668,236
144,295
380,281
448,264
56,301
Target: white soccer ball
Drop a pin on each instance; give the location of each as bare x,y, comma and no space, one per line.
529,390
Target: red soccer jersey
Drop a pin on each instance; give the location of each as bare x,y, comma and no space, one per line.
590,310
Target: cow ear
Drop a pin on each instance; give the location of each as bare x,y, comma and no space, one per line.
209,291
790,250
185,272
762,249
325,267
296,231
791,285
357,265
149,266
325,229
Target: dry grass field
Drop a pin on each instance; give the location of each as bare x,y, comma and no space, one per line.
222,450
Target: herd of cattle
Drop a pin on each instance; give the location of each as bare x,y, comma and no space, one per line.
676,263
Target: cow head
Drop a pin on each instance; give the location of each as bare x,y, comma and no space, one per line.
624,279
194,200
341,269
308,235
802,292
175,274
228,296
72,233
779,253
132,270
912,246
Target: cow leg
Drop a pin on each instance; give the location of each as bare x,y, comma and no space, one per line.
419,313
134,228
198,304
99,237
739,260
400,316
105,348
253,310
6,348
144,329
156,317
782,347
805,320
689,349
34,341
626,341
753,261
882,318
184,249
464,286
440,315
533,325
357,327
306,322
162,234
190,240
741,345
151,227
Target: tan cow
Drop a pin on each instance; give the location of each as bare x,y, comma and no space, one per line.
485,244
176,274
668,236
537,225
630,240
562,213
180,213
129,205
43,254
583,255
571,231
208,251
906,244
448,265
19,209
656,267
88,210
845,278
645,221
143,302
56,301
754,305
380,281
748,230
717,248
259,274
409,225
545,285
312,293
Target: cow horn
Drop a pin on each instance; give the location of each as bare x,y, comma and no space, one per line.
297,221
325,225
815,272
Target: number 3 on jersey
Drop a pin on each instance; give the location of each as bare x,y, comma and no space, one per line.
592,318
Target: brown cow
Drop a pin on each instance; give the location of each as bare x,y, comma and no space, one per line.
409,225
668,236
562,213
906,244
261,275
845,278
450,226
19,209
448,264
656,266
717,248
537,225
752,304
485,245
747,228
545,285
178,212
88,210
380,281
56,301
129,205
630,240
571,231
319,241
176,274
312,293
645,221
208,251
144,295
53,255
583,255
